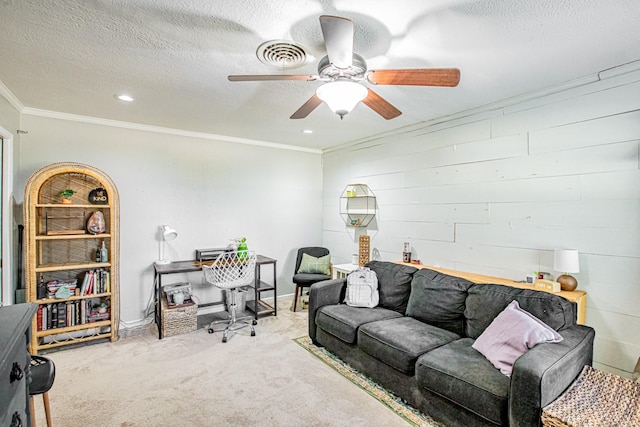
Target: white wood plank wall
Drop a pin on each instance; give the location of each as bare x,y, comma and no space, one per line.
495,192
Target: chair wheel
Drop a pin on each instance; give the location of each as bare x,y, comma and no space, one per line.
210,330
255,322
253,333
224,339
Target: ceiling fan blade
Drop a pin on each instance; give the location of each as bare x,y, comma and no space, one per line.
264,77
307,107
338,39
381,106
418,77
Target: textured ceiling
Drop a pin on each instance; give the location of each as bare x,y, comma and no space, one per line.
173,57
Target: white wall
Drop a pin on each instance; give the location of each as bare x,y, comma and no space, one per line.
210,191
495,192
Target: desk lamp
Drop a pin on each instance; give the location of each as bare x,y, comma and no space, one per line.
167,233
566,261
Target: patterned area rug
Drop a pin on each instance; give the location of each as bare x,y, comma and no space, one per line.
397,405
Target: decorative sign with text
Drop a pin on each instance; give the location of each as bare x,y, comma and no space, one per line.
98,196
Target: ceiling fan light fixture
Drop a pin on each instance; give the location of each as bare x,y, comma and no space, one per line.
342,96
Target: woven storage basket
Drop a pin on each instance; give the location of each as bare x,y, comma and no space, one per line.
180,320
596,399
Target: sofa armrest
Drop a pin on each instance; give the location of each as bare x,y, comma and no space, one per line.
323,293
543,373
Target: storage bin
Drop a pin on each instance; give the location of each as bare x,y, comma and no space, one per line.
180,320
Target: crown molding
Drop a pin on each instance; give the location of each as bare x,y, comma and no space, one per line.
9,96
159,129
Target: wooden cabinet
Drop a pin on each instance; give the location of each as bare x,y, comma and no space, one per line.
14,364
74,283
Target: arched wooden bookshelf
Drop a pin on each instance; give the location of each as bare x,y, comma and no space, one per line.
61,252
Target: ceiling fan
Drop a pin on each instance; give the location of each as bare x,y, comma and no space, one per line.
343,71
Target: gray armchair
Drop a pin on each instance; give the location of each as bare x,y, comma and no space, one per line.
304,279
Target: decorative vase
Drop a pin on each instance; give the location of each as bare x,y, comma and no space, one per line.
66,201
96,224
242,248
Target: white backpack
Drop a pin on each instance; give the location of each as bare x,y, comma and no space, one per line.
362,288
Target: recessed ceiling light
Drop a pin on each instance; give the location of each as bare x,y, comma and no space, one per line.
307,131
125,98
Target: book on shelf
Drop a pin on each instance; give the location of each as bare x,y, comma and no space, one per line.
61,315
54,316
96,281
53,286
39,317
98,317
72,313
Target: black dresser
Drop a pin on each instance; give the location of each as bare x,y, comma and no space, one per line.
15,333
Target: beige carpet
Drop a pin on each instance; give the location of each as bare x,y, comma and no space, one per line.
195,380
396,404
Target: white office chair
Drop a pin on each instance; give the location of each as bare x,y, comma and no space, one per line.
230,271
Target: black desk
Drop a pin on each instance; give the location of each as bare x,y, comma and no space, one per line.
258,306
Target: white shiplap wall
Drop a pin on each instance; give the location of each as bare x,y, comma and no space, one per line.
495,192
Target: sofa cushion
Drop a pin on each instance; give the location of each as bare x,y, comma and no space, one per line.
438,299
394,284
343,321
399,342
510,335
459,373
485,302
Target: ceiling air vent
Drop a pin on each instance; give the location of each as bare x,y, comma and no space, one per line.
282,54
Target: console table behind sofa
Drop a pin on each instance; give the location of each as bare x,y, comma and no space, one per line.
577,296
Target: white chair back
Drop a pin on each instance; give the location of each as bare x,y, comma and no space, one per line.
231,270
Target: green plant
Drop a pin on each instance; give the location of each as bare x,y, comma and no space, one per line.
66,193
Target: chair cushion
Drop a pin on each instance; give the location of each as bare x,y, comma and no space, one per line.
343,321
485,302
459,373
308,279
511,334
400,341
313,265
394,284
439,299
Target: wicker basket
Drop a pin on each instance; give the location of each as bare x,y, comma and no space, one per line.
179,320
596,398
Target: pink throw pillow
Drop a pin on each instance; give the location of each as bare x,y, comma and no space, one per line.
510,335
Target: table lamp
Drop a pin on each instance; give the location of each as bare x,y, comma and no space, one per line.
566,261
167,233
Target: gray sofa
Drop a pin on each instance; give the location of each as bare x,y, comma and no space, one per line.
418,343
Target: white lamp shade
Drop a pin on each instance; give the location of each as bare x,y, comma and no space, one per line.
342,96
168,233
566,260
